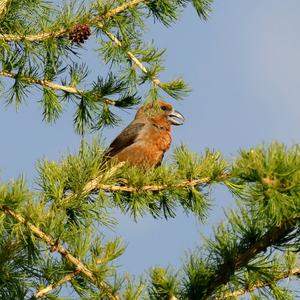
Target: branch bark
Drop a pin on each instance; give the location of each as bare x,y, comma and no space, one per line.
55,246
41,293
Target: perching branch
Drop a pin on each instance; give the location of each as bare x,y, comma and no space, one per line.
96,185
261,284
42,36
55,246
147,188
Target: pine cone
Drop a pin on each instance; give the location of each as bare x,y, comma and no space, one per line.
79,33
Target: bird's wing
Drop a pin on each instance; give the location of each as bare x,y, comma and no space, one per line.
125,138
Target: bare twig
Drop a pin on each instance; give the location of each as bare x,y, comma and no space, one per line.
55,246
42,36
41,293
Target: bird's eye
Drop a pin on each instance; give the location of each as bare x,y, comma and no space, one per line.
163,107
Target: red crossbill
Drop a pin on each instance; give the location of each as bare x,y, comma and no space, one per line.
145,140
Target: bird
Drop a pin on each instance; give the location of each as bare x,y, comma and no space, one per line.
145,140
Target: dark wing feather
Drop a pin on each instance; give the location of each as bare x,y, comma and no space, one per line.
125,138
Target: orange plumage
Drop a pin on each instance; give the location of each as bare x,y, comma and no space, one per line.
145,140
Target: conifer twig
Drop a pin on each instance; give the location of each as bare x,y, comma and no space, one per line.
95,185
55,246
135,60
50,84
43,82
150,188
92,185
260,284
41,293
42,36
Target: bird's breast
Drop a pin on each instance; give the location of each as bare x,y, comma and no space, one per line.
149,147
156,136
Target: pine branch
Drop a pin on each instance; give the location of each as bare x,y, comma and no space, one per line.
55,246
42,82
98,21
261,284
135,60
150,188
41,293
176,89
50,84
42,36
273,236
95,185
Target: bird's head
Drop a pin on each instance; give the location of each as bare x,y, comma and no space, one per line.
160,112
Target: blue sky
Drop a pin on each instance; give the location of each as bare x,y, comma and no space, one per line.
244,69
